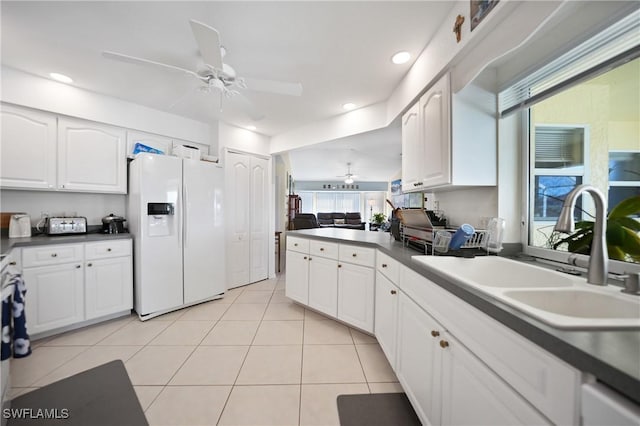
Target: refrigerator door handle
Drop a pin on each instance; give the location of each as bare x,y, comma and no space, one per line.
184,214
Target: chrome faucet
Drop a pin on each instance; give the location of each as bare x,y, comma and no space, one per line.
599,258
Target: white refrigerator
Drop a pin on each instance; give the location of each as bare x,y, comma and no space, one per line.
175,214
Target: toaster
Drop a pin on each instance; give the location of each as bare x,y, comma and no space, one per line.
67,225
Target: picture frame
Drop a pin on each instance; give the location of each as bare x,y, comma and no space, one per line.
479,9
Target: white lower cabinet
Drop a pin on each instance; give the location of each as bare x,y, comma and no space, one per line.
297,287
386,316
356,295
323,285
55,296
71,283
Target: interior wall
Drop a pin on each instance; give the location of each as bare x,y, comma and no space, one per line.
473,206
34,203
510,177
242,139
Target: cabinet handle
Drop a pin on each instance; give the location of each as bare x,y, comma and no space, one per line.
88,264
108,249
309,258
393,292
78,266
435,333
295,244
321,248
354,255
384,265
339,266
444,344
305,258
13,263
54,254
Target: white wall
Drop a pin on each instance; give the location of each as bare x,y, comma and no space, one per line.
473,206
28,90
242,140
92,206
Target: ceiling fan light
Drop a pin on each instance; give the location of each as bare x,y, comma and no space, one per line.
348,106
251,127
60,77
348,180
401,57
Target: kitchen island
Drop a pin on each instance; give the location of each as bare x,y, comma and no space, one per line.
610,356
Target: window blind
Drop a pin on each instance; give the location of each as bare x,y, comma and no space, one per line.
610,48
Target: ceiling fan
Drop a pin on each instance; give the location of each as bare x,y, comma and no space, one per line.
217,77
348,177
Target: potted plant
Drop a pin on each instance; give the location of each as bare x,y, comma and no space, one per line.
379,218
623,240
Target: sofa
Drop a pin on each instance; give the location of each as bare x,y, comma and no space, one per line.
341,220
305,221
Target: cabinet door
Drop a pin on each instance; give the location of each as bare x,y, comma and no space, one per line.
436,134
54,296
108,286
355,295
237,217
386,316
419,358
323,285
473,394
297,284
28,159
91,157
412,150
259,210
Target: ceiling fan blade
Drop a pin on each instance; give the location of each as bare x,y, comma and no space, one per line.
248,107
208,41
272,86
146,62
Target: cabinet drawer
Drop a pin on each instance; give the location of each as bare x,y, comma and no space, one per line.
105,249
323,249
364,256
388,266
300,245
51,255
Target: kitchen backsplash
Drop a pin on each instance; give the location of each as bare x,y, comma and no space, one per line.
473,206
92,206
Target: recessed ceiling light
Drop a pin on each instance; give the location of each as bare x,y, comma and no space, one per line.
400,57
348,106
60,77
251,127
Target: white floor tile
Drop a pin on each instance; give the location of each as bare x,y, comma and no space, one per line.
266,285
183,333
318,406
90,335
279,333
135,333
284,311
146,394
209,311
156,365
42,361
359,337
271,365
16,392
211,365
262,405
232,333
331,364
279,297
255,296
375,365
245,312
385,387
327,332
188,405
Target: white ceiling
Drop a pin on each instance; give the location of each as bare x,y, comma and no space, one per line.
339,51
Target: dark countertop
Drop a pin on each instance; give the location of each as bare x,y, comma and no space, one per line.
613,356
6,244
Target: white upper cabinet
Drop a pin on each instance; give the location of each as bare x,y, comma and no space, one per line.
28,150
91,157
450,139
162,143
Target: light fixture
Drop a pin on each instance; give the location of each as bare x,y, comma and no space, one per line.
251,127
349,176
349,106
60,77
348,180
400,57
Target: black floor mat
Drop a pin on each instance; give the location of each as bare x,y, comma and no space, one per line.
376,409
101,396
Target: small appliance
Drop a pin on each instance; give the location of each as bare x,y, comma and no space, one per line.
19,226
66,225
113,224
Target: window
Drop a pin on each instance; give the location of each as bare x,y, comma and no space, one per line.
582,115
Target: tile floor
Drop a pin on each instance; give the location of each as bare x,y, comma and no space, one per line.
252,358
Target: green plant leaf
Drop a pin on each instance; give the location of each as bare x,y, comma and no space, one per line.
630,243
627,222
627,207
616,253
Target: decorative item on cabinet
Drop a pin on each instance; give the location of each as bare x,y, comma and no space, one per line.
457,27
295,204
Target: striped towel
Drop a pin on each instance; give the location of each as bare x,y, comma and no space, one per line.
13,308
